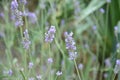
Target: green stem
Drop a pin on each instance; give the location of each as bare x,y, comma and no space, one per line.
77,70
22,75
114,77
56,77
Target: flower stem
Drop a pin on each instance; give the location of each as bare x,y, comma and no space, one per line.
77,70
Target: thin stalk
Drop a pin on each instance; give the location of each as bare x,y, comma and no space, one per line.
22,75
114,77
77,69
56,77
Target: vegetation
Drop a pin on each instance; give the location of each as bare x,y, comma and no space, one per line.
59,40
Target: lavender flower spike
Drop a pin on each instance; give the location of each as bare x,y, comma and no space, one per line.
16,14
30,65
26,42
117,66
14,4
49,36
70,45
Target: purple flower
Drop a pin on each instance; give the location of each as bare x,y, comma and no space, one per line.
94,28
16,14
116,28
30,65
50,60
14,4
117,45
108,63
70,45
49,36
26,42
117,66
59,73
32,18
80,66
10,72
62,22
102,10
105,75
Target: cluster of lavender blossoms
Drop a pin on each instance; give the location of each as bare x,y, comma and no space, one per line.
26,41
49,36
16,14
9,72
117,66
70,45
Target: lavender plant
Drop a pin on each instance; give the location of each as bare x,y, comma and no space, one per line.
30,52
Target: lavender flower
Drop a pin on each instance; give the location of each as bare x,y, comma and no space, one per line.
117,66
9,72
116,29
70,45
50,60
108,1
62,22
32,18
39,77
117,45
59,73
14,4
105,75
102,10
31,78
108,63
80,66
26,42
30,65
49,36
16,14
94,27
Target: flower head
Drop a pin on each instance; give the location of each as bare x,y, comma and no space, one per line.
117,66
26,42
80,66
9,72
14,4
70,45
30,65
108,63
16,14
49,36
32,18
102,10
59,73
50,60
